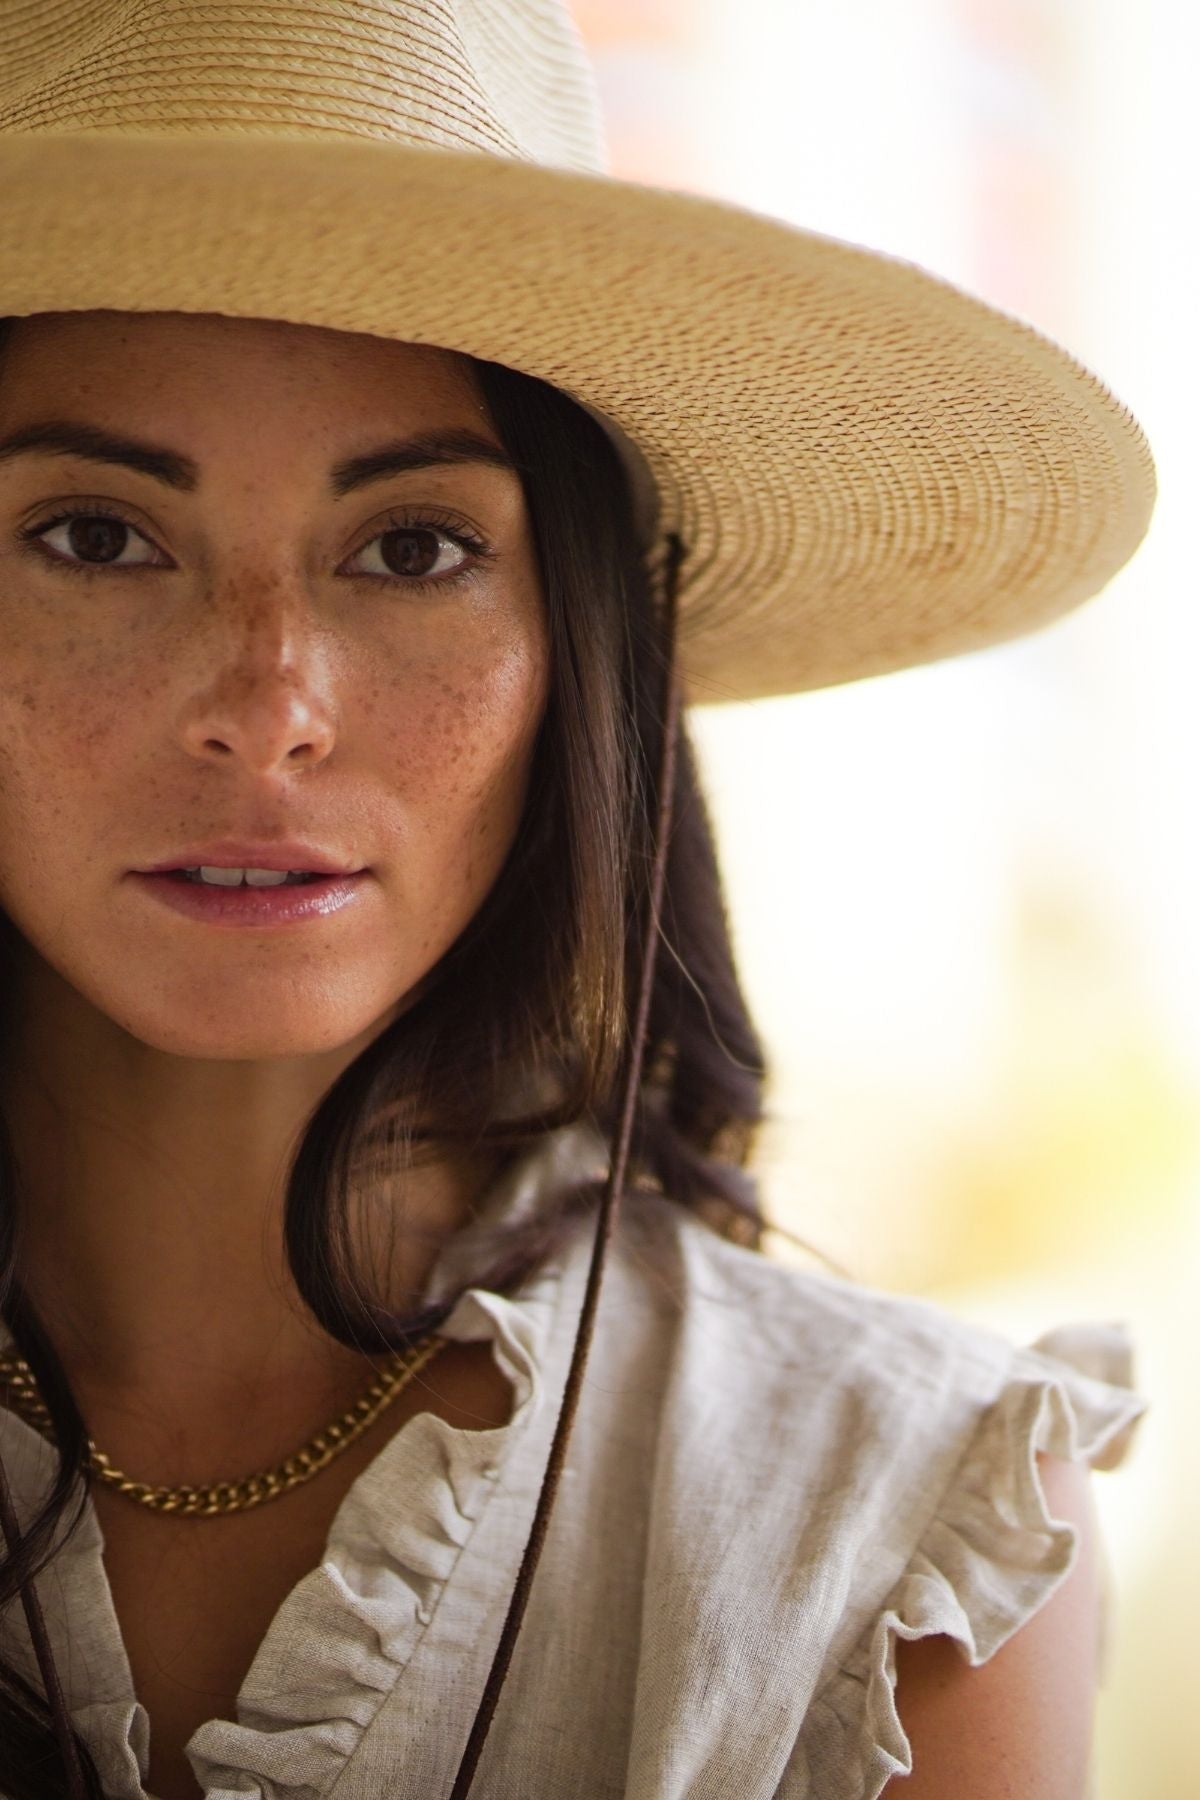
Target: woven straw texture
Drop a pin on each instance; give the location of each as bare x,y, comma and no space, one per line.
869,467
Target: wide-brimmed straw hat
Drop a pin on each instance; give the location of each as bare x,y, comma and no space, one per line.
868,468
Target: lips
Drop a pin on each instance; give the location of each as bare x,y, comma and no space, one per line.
286,904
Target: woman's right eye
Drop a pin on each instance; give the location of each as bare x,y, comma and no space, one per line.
90,541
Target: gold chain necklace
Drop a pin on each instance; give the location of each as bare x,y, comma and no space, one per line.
251,1490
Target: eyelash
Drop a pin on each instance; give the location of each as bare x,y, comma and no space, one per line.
446,525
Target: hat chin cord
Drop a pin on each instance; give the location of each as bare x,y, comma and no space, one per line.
607,1215
605,1223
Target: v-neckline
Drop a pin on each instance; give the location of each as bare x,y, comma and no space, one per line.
383,1568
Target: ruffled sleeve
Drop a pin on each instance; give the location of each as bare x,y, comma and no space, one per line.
990,1556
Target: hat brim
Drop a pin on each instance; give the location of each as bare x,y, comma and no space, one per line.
869,467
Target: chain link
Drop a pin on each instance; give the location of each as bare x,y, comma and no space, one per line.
252,1490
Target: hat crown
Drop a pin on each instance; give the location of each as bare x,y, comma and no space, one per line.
510,79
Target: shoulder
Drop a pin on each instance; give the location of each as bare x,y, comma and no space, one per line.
908,1428
790,1336
1022,1722
794,1333
922,1520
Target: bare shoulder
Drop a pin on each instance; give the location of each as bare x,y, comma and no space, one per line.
1021,1723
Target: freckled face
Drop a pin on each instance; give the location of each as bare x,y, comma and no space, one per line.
256,657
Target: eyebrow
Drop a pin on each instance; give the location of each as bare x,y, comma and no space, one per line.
425,450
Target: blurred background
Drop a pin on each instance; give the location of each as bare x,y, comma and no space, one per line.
967,897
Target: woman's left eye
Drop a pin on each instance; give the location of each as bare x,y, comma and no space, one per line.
417,551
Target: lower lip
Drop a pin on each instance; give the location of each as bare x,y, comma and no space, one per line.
287,904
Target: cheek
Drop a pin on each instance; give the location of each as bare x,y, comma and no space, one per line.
59,729
459,746
74,717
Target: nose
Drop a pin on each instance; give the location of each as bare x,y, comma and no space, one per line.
263,693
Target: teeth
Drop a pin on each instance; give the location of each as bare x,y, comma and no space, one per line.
264,877
253,877
222,877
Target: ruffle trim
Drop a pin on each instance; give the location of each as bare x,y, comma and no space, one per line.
346,1632
991,1556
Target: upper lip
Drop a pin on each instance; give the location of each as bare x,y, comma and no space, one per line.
229,853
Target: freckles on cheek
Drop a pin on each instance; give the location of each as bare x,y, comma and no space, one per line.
58,726
71,722
461,752
472,715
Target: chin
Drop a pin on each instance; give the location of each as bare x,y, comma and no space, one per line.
232,1045
265,1021
259,1008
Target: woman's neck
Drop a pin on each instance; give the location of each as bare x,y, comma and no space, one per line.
150,1198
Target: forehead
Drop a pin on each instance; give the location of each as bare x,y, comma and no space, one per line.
151,363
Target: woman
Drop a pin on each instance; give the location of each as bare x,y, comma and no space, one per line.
358,442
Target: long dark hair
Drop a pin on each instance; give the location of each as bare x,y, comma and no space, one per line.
538,986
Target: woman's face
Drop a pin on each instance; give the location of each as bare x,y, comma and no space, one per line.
266,644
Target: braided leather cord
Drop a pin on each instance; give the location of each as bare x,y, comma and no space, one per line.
607,1214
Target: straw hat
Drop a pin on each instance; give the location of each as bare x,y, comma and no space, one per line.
868,467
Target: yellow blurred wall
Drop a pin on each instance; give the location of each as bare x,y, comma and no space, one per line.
967,898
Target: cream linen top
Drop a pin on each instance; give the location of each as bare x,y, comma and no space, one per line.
773,1475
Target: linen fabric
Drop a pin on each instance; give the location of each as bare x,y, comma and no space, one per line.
773,1475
